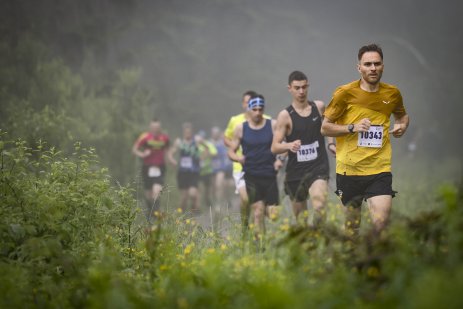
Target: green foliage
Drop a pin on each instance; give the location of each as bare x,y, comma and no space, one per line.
69,238
56,212
43,100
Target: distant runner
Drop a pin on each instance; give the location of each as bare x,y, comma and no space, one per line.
151,146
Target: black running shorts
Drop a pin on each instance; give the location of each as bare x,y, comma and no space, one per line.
353,190
261,188
153,175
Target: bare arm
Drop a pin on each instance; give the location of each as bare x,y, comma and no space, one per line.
172,151
331,143
227,141
281,128
280,159
235,145
400,125
141,154
329,128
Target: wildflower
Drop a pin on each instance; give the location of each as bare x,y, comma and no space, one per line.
223,247
210,250
372,272
179,210
188,249
163,267
273,216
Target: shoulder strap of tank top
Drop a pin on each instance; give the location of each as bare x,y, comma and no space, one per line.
314,107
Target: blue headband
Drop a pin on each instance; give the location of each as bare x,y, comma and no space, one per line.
256,102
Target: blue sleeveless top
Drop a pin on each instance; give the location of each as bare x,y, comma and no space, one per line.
256,145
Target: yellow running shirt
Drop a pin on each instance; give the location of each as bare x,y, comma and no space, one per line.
364,153
230,130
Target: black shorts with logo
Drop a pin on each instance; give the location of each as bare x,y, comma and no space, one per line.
261,188
153,175
353,190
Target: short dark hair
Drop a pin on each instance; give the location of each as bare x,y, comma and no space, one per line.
257,96
250,93
296,75
370,48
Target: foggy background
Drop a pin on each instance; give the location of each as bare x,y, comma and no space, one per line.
192,60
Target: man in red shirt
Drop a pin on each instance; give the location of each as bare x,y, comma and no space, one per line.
152,146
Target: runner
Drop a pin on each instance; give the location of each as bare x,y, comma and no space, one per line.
298,134
238,174
223,169
359,117
188,167
207,152
151,146
259,164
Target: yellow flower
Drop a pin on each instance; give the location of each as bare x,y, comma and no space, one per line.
372,272
210,250
273,216
223,247
179,210
163,267
188,249
187,221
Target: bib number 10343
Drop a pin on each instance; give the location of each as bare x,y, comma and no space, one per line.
372,138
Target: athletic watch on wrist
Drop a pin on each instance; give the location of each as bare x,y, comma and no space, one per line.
351,128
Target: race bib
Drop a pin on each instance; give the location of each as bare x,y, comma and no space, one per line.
307,152
373,138
154,171
186,162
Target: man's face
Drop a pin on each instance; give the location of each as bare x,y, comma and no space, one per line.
155,127
371,67
257,114
299,90
187,133
244,103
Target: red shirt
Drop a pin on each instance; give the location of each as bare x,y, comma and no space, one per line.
157,144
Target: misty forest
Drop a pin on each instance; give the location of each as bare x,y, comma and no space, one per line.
80,81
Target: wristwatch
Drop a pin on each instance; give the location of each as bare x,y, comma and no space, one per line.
351,128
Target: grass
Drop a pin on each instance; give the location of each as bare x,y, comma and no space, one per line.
98,251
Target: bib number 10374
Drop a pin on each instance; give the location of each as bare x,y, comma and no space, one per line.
372,138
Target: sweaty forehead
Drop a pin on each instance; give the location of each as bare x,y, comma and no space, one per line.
371,57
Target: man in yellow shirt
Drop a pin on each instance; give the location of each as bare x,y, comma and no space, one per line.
238,174
359,117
